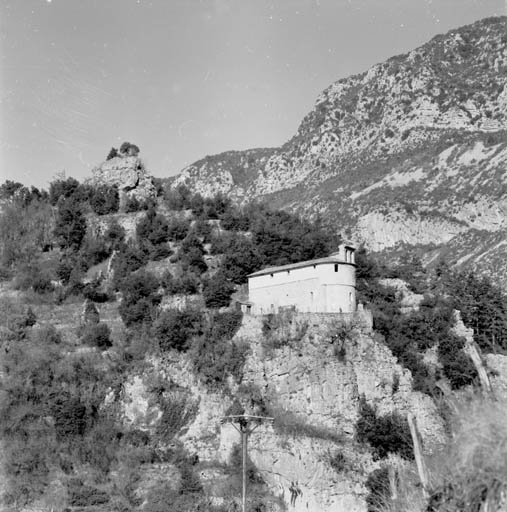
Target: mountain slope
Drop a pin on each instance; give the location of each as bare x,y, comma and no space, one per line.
412,151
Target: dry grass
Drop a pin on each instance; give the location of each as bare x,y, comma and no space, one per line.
469,474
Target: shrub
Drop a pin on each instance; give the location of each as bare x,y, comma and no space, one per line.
70,224
33,276
338,461
152,228
126,261
185,284
64,188
105,199
217,291
456,365
128,149
287,423
470,472
94,250
81,495
114,235
385,434
132,204
378,485
173,328
26,465
113,153
176,413
192,261
241,258
178,229
70,416
215,356
140,297
97,335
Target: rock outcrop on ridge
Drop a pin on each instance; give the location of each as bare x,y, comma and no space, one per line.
129,174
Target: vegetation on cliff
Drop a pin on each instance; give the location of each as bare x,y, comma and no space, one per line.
175,273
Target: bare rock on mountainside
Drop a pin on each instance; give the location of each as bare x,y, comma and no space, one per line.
129,174
412,152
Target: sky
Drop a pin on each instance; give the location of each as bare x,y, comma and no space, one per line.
183,79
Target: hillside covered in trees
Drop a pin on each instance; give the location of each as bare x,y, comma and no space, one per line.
160,277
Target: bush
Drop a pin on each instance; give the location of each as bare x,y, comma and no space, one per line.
94,250
81,495
105,199
173,328
140,297
287,423
113,153
70,224
470,472
70,416
178,229
132,204
64,188
153,228
378,485
178,198
214,355
385,434
126,261
456,365
32,276
240,259
217,291
338,461
185,284
192,261
114,235
176,413
97,335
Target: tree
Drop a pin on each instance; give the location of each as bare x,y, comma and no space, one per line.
97,335
217,291
114,235
113,153
153,228
25,231
128,149
240,259
178,229
174,328
63,189
140,297
105,199
9,188
70,225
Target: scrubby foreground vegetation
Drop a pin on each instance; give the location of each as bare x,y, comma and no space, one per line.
163,286
91,293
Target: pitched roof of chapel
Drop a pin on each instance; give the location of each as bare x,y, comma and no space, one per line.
333,258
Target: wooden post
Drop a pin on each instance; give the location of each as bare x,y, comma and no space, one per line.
392,482
245,424
244,441
473,351
419,458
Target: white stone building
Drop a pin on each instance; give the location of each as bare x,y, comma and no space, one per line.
325,285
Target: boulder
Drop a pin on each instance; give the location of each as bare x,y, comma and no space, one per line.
128,174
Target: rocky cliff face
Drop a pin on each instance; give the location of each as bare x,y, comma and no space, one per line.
313,394
412,151
128,174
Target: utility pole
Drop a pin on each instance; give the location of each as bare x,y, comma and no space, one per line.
245,424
